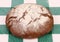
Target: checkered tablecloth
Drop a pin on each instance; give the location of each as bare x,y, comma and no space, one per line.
52,5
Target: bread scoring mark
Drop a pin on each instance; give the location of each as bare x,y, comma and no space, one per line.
36,19
24,14
12,17
41,8
29,22
9,23
46,15
10,20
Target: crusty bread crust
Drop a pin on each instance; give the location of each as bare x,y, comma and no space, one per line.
29,21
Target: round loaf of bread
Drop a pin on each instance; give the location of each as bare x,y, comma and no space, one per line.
29,21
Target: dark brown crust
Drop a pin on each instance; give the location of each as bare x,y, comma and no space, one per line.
17,29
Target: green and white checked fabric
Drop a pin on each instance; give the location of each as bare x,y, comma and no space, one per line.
52,5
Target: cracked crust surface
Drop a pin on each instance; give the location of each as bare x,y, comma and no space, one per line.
29,21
